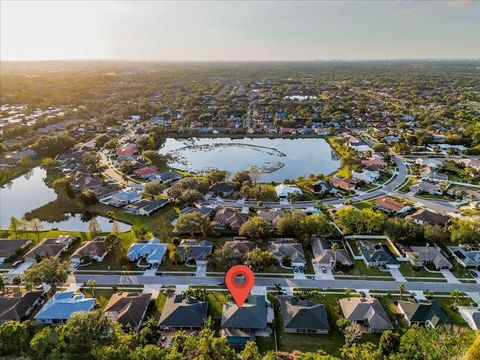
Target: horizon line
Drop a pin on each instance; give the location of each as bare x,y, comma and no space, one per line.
246,61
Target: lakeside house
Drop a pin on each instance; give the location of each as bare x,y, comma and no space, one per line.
10,247
90,251
347,184
120,198
145,207
283,191
153,251
366,176
50,247
223,189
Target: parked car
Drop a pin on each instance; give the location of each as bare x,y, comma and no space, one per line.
473,273
17,263
324,269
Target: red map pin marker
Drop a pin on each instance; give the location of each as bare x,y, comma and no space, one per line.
239,290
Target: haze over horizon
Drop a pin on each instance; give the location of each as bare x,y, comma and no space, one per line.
239,31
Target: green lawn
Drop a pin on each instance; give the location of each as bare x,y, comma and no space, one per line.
330,343
453,315
408,270
216,300
360,268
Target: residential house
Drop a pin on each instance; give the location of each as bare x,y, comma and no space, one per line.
166,177
10,247
153,251
50,247
185,313
463,192
377,255
223,189
90,251
427,187
145,207
323,255
27,153
467,256
229,218
126,152
422,313
241,325
368,312
432,174
271,216
284,190
423,216
287,249
8,162
391,205
85,181
121,198
60,307
15,307
303,316
424,255
471,315
473,163
128,309
374,163
240,247
147,172
322,188
366,176
197,250
348,184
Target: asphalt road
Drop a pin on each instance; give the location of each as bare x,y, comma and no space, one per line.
260,281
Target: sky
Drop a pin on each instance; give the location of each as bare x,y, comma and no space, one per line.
239,31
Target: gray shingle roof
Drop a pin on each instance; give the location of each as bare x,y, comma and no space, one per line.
252,315
303,314
361,309
179,312
127,308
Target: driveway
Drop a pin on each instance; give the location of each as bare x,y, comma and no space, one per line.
397,275
451,279
201,270
319,275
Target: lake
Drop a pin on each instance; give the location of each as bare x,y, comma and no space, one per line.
277,158
28,192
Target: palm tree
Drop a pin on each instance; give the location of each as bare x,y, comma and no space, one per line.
169,292
37,226
174,255
91,284
335,248
187,250
455,294
348,293
401,288
17,280
278,288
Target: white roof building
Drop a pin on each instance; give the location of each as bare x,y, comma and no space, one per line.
283,190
